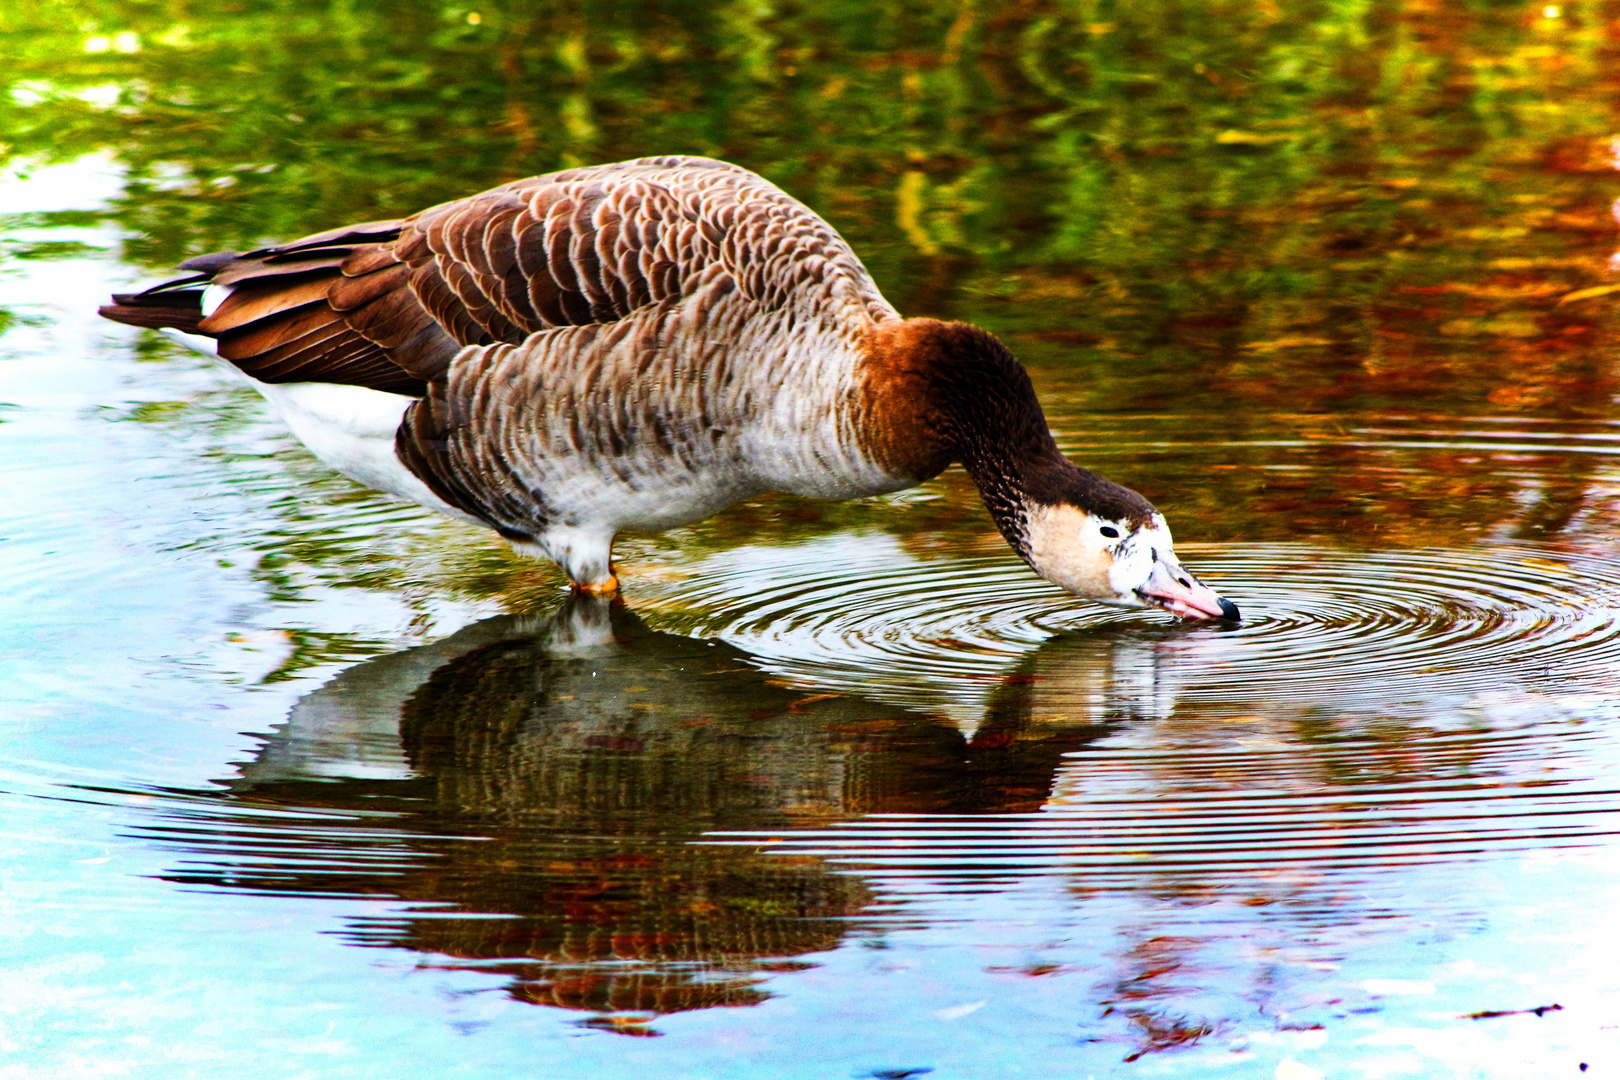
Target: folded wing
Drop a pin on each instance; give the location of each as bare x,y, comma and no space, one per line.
388,305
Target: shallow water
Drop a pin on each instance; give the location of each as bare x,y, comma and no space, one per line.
295,781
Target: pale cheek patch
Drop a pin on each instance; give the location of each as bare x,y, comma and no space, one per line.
1066,549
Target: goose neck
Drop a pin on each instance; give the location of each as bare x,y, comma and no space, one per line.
979,408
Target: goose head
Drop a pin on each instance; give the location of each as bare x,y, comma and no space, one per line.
954,392
1118,553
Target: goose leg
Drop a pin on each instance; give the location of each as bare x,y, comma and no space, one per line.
586,556
610,587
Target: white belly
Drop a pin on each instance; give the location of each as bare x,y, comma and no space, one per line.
352,429
774,422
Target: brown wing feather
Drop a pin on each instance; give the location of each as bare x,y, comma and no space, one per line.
260,298
389,304
357,288
244,268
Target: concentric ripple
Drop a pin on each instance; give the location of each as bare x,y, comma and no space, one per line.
1374,711
1325,626
1409,625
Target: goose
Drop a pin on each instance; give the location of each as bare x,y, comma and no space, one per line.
637,346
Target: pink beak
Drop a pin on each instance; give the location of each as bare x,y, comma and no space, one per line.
1171,587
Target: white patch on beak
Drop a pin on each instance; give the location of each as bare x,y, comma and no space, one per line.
1165,582
1138,553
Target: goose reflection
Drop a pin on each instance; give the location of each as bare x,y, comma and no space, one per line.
531,789
626,822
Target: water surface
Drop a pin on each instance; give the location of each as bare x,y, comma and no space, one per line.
297,781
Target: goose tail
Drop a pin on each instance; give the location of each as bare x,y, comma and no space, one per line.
173,305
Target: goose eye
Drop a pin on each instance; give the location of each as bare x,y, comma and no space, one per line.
1110,532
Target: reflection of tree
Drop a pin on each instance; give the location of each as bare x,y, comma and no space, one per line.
1409,187
1147,980
1184,206
539,792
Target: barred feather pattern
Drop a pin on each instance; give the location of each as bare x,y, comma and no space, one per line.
593,245
656,420
670,336
633,345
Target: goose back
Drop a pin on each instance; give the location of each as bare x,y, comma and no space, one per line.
629,345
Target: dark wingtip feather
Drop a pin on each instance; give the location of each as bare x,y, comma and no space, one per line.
170,305
153,318
167,295
211,263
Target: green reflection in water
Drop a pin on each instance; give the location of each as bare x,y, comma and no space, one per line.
1230,240
1201,224
1400,193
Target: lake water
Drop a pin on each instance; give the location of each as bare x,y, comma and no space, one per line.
296,781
